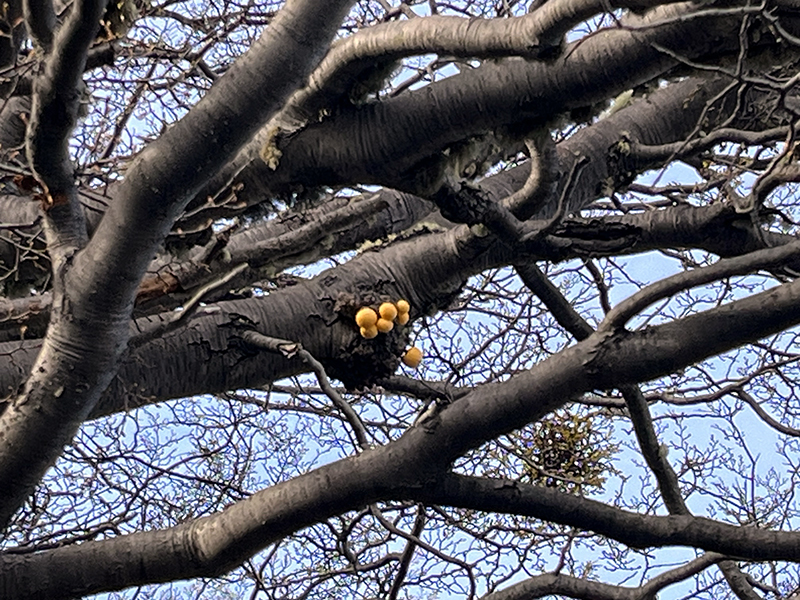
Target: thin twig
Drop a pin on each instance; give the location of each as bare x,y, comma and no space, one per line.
602,288
389,526
291,349
408,554
191,306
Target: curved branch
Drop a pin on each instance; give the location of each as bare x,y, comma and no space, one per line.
290,349
770,258
511,91
531,36
584,589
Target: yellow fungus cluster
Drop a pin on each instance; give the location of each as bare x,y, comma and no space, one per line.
371,322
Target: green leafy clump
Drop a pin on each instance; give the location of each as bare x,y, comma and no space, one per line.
568,450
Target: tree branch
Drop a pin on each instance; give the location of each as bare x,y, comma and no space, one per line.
40,20
81,352
54,110
633,529
408,554
290,349
584,589
770,258
410,468
511,92
531,36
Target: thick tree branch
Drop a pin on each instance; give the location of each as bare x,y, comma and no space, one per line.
530,36
81,354
709,227
40,20
409,265
667,114
54,111
633,529
416,127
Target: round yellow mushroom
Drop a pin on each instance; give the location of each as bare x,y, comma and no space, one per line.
388,311
366,317
403,307
413,357
402,318
369,332
384,325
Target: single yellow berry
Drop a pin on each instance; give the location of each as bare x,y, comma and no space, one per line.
384,325
388,311
366,317
402,318
369,332
413,357
403,307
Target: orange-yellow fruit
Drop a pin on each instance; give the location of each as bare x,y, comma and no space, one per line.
384,325
369,332
403,307
402,318
413,357
366,317
388,311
